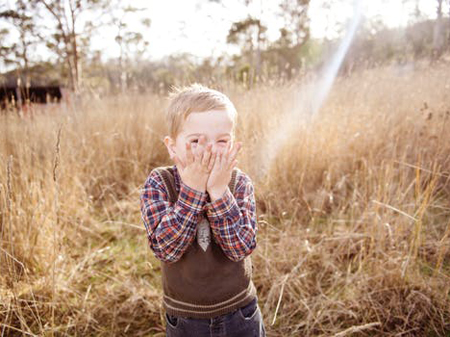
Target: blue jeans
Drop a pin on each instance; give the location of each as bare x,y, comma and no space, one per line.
243,322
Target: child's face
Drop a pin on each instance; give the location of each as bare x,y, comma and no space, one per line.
215,125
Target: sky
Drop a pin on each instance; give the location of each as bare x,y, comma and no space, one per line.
200,27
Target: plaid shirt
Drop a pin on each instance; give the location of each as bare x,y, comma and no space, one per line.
171,228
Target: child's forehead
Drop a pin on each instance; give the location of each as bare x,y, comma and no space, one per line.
197,134
212,130
207,122
209,133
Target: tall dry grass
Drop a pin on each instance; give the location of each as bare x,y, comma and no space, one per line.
354,217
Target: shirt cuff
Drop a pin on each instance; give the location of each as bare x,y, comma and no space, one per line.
221,207
191,199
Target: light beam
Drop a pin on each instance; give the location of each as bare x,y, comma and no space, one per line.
308,100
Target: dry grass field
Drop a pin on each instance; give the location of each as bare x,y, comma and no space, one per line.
354,216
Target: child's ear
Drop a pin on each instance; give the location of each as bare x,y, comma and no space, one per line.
170,144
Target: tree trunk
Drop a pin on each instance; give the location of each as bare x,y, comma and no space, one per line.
69,37
122,73
438,39
448,29
26,70
75,65
68,60
73,39
258,54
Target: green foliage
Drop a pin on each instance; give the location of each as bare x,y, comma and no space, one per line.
295,14
247,33
21,18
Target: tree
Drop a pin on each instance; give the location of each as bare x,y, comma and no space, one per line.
127,39
18,53
448,36
438,38
287,54
249,34
67,15
295,15
283,55
6,52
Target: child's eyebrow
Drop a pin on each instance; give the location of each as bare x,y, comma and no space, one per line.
198,134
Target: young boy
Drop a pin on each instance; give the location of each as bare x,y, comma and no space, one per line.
200,217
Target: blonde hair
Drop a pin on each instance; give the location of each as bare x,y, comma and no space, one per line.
194,98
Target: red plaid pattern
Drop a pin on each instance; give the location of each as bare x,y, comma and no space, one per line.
171,228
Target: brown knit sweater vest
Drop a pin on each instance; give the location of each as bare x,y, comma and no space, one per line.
204,284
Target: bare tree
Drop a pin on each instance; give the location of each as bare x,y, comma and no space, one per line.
127,39
66,15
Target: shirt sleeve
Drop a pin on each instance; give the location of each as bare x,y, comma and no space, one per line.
233,219
170,227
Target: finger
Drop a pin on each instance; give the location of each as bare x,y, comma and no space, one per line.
199,150
233,165
201,143
237,148
189,155
234,151
202,140
212,162
198,154
220,158
206,155
227,151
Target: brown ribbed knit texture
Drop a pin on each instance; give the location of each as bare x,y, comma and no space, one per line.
204,284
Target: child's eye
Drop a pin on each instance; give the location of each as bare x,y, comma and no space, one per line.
194,141
223,141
